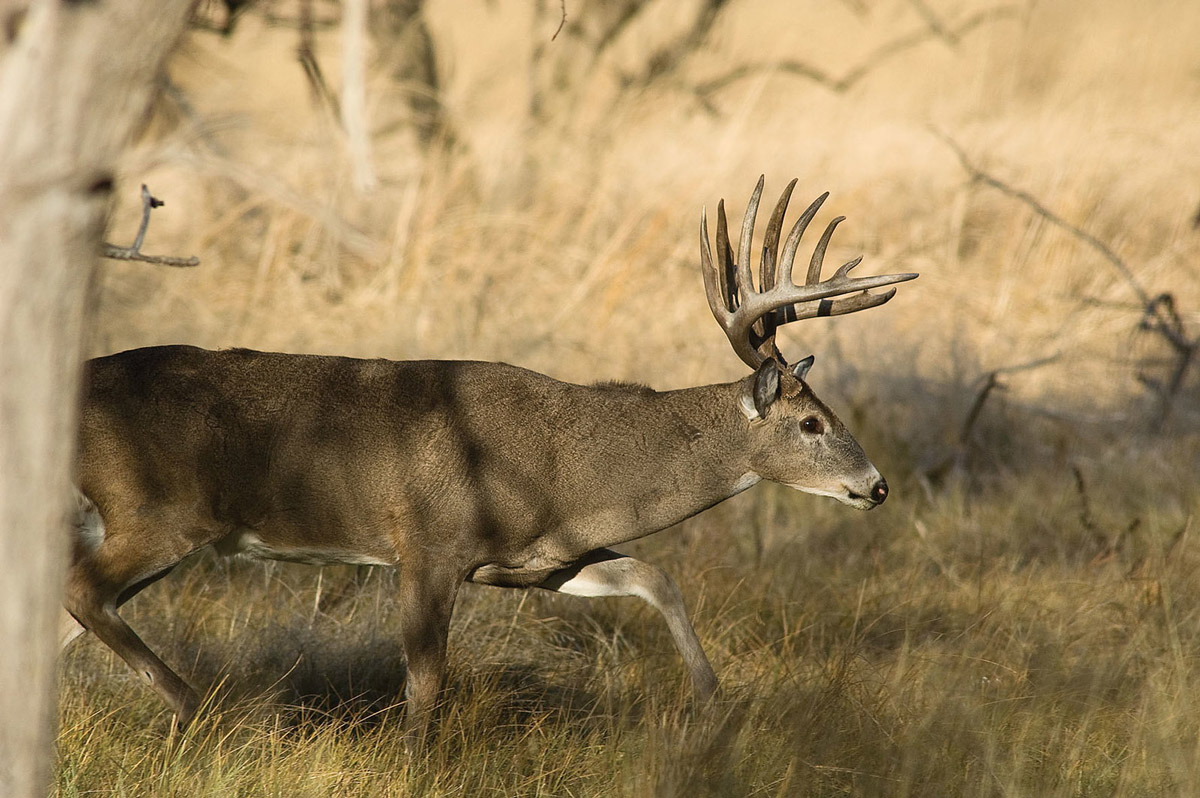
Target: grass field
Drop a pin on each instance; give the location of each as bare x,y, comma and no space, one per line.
1022,618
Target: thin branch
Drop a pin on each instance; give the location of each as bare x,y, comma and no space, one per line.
306,53
872,62
1085,504
320,22
149,203
798,68
988,384
1028,365
1162,317
978,175
561,22
991,383
606,39
935,24
666,60
134,252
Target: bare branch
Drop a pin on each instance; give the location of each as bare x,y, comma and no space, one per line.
306,52
877,58
799,68
134,252
666,60
1086,519
990,382
628,14
1159,314
149,203
936,26
978,175
561,22
407,53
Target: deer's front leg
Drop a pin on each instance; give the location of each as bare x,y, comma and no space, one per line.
426,603
607,573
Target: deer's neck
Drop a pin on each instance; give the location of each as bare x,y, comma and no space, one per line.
670,455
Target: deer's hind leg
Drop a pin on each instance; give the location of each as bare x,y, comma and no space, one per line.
111,569
606,573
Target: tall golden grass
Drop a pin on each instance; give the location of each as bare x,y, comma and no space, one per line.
1019,619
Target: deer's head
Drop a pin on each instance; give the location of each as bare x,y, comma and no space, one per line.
798,441
795,438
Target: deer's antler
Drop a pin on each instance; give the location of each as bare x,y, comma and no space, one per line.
751,317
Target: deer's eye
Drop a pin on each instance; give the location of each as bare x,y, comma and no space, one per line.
812,425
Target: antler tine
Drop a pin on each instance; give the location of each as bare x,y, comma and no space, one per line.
844,269
744,276
712,281
720,286
725,265
766,326
838,307
793,239
818,256
771,244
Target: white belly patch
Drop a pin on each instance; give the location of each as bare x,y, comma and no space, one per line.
248,544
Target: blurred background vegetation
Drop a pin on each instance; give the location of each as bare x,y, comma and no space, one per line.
1021,617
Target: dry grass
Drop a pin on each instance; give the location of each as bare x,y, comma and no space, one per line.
1020,618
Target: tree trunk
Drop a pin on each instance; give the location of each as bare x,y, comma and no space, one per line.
75,81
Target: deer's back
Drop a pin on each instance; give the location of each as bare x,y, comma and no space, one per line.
303,450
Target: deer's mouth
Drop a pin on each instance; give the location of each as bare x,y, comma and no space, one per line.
843,495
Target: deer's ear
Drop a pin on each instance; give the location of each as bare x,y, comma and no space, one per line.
766,385
800,370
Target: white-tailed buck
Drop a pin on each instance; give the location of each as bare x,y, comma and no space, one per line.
452,471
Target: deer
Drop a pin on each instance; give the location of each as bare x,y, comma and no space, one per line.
452,471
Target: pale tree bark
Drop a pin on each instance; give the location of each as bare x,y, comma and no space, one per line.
76,79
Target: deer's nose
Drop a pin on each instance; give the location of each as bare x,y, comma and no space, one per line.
879,491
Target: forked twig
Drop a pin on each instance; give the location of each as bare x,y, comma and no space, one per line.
134,252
